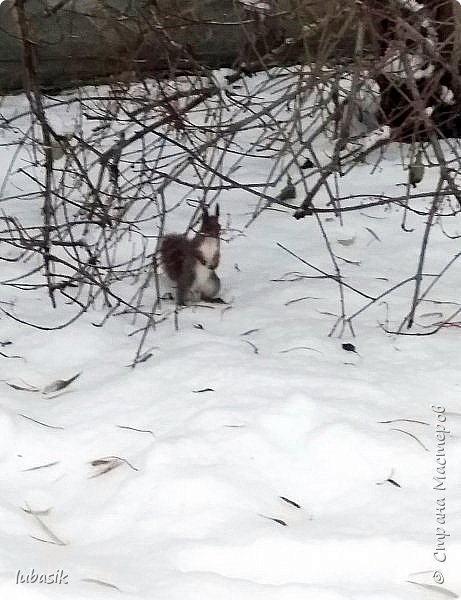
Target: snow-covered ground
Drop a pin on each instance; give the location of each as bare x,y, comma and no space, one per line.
260,459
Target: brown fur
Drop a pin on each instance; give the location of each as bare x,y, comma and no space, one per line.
181,255
175,248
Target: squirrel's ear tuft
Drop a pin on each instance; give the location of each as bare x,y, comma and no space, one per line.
216,212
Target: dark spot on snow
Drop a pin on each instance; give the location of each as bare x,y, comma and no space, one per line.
292,502
349,347
393,482
307,164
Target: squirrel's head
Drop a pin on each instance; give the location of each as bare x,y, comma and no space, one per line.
210,223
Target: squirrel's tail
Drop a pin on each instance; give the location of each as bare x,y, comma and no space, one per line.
173,252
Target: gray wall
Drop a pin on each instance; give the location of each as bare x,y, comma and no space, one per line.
86,40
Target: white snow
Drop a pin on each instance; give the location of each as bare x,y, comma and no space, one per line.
288,413
256,4
394,63
379,134
426,72
411,5
447,95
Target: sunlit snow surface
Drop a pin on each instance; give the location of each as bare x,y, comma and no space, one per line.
196,512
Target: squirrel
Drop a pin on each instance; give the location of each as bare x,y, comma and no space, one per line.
191,263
